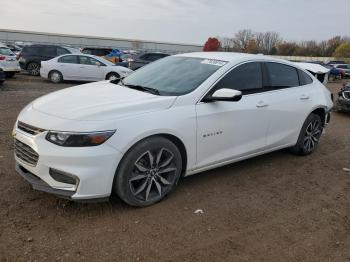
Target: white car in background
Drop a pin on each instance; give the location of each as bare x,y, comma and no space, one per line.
178,116
317,70
8,61
81,67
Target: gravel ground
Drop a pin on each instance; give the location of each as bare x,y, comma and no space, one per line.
277,207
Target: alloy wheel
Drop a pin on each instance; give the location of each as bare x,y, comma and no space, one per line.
55,77
153,175
312,135
34,69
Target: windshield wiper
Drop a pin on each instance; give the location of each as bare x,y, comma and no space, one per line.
143,88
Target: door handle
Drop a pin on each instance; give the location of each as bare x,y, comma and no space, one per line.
261,104
304,97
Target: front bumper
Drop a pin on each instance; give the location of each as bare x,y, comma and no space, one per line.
94,168
343,104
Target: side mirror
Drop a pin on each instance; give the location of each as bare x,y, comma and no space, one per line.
225,94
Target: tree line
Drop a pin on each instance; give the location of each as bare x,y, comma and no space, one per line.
271,43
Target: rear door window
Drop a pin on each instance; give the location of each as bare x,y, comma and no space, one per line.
282,76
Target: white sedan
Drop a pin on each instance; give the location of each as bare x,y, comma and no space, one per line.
175,117
81,67
8,61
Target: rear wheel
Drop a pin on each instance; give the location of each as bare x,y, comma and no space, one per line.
33,68
55,77
148,172
309,136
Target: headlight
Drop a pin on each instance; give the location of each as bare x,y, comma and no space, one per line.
69,139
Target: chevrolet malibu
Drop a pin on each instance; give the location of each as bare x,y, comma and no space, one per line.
181,115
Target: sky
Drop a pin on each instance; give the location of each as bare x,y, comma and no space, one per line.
179,21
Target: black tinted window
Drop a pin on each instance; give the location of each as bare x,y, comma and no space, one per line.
49,51
304,79
282,76
246,78
145,57
70,59
62,51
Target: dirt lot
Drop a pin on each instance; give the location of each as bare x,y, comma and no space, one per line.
276,207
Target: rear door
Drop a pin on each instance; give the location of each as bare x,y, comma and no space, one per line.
289,99
69,67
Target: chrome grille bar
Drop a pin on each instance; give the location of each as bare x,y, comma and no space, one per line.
26,153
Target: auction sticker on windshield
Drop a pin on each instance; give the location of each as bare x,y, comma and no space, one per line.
213,62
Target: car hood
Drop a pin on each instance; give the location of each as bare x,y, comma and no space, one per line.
100,101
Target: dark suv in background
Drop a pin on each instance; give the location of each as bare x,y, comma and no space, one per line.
142,59
31,56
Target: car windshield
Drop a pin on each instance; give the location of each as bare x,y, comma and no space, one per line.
174,75
6,51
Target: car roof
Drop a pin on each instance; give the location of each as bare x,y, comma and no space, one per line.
3,45
315,68
232,57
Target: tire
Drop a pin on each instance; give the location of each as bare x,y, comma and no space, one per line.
309,136
9,74
55,77
112,76
137,182
33,68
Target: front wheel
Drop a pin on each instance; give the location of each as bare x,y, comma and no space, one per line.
309,136
112,76
148,172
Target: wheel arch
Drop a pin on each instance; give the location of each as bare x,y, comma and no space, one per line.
171,137
321,112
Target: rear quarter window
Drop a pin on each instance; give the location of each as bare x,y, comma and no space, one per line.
304,78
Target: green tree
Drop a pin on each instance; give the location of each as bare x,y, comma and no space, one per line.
342,51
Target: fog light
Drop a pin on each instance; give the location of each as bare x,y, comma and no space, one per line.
63,177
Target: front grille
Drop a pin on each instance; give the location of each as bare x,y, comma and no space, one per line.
346,95
29,129
26,153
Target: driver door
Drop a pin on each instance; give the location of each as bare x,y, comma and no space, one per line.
232,130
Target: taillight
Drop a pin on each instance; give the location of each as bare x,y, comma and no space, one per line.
2,57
